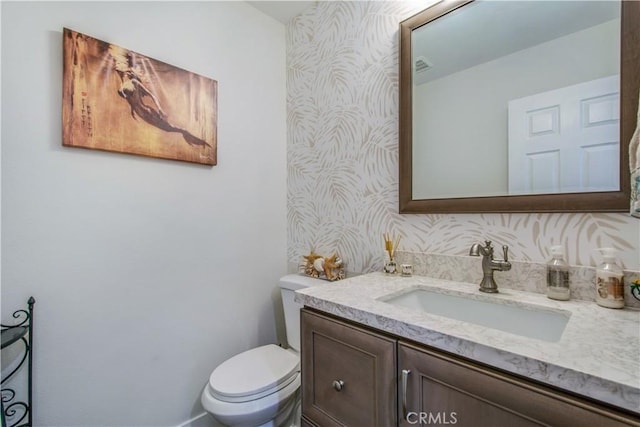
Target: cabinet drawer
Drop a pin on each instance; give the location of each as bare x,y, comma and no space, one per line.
348,374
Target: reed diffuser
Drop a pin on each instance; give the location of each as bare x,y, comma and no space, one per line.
390,245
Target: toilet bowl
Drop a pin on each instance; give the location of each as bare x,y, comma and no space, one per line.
261,386
256,388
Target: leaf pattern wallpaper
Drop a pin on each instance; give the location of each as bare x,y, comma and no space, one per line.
342,102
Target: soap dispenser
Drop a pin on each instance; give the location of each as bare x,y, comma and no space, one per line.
558,275
609,281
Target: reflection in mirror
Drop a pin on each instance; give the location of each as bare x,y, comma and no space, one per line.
505,103
517,96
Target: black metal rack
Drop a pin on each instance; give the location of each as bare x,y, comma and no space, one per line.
20,413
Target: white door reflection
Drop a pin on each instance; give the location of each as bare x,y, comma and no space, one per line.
566,140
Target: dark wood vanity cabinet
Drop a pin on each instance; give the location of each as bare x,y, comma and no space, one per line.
447,390
348,374
356,376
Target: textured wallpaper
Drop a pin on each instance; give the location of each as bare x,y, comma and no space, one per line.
342,84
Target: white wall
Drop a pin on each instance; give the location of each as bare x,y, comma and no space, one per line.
147,273
342,60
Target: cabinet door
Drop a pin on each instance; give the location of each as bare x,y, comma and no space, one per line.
442,389
348,374
304,422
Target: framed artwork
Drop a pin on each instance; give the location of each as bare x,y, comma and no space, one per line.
114,99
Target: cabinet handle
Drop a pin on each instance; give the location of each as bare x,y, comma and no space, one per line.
405,378
338,385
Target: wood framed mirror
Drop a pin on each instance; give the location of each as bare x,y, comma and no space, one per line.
447,23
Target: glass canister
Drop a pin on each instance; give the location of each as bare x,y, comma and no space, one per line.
609,281
558,275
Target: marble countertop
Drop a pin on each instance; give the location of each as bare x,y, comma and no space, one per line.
598,354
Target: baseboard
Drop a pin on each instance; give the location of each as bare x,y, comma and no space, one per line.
202,420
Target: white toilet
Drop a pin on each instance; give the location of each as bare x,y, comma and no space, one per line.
260,387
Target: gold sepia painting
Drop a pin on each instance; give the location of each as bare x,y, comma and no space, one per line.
115,99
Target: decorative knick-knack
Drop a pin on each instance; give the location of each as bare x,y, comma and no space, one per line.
330,268
390,267
390,245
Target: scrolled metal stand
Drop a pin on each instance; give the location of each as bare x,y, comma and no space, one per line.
18,411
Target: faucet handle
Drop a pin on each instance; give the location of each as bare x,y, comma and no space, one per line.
505,252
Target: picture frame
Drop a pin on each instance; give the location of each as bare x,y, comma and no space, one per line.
115,99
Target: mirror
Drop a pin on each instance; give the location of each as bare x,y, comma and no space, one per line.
489,92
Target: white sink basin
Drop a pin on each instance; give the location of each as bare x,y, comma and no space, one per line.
529,321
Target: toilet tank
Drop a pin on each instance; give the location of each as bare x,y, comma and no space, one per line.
288,285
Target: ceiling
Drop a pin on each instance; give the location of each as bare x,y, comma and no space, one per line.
283,11
487,30
501,33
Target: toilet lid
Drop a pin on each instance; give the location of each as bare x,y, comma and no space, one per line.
254,372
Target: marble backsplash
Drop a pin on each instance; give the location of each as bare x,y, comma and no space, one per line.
523,276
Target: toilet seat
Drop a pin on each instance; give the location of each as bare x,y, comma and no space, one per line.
254,374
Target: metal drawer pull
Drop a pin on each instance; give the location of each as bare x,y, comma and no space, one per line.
338,385
405,378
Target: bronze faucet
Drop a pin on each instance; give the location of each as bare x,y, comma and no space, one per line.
489,265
